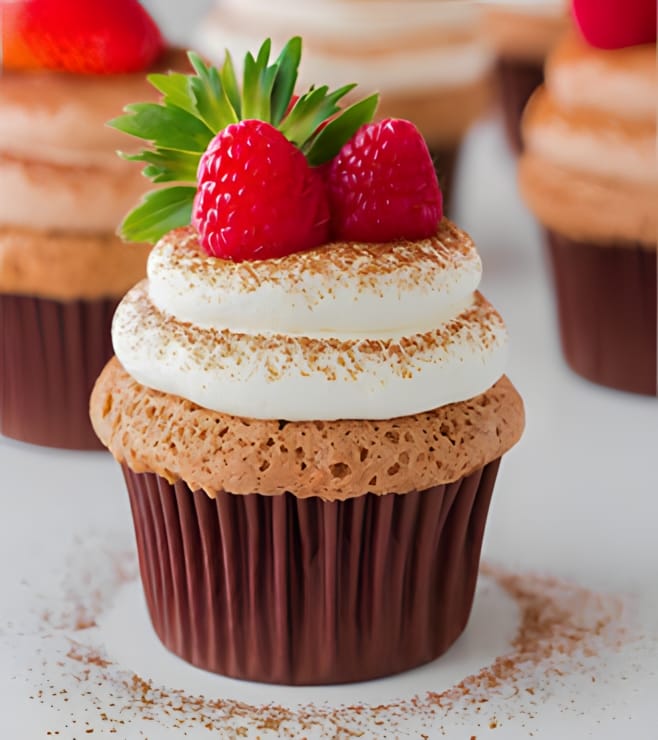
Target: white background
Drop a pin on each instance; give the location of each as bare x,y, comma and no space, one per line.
577,499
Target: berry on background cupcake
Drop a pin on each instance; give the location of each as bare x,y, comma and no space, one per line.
307,398
67,66
95,38
589,175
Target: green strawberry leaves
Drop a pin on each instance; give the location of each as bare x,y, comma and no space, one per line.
330,139
159,212
195,107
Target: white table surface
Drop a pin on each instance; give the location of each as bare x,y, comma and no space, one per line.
576,499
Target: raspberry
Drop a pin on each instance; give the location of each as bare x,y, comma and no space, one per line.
615,24
383,186
257,196
100,37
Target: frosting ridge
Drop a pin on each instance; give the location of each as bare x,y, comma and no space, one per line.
430,44
332,342
592,128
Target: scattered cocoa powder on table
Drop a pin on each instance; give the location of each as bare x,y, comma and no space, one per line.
562,628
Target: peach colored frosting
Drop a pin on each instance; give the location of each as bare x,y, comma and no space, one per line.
64,266
589,168
58,163
524,32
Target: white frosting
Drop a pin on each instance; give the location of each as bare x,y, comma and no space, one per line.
441,66
372,42
338,298
315,336
349,20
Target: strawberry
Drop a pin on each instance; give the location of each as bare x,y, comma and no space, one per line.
615,24
383,185
248,162
257,197
79,36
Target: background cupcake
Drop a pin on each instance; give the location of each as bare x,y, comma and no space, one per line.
521,35
63,193
426,57
589,174
310,430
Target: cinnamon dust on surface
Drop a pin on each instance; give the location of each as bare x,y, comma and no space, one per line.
564,633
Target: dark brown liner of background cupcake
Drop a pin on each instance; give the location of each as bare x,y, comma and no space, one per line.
608,311
304,591
51,353
517,80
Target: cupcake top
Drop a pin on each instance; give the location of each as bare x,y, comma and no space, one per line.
318,289
390,46
343,331
55,151
67,68
525,30
589,167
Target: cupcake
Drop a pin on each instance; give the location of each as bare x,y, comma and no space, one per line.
521,34
589,175
307,398
426,58
63,193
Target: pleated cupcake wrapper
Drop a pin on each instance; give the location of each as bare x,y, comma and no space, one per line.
517,80
51,353
304,591
608,309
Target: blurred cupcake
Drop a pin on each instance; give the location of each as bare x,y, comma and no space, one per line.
63,192
521,34
425,57
589,174
310,430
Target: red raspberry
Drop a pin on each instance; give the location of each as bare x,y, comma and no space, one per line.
383,186
257,196
100,37
615,24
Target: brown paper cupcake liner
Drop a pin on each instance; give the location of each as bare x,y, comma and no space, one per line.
608,312
305,591
51,353
517,80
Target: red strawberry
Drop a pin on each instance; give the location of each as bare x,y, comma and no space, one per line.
257,196
80,36
615,24
383,186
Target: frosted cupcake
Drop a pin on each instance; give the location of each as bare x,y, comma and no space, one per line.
589,174
307,398
63,192
521,34
426,58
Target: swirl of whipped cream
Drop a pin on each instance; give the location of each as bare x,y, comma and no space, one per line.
346,331
429,44
597,112
589,165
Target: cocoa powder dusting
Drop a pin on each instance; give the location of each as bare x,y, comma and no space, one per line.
562,631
